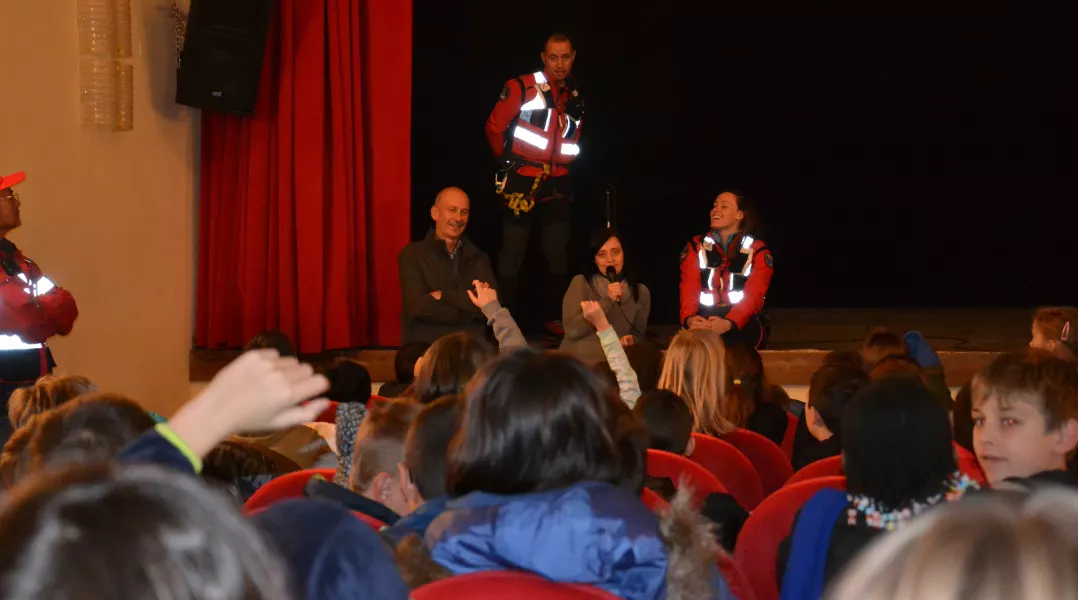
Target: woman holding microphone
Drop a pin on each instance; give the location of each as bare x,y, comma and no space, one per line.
605,280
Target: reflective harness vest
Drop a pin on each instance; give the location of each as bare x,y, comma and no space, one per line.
535,129
732,275
542,132
730,284
32,309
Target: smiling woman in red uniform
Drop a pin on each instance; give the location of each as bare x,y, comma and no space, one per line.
32,309
725,274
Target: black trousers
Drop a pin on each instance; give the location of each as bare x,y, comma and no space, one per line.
755,334
6,390
552,210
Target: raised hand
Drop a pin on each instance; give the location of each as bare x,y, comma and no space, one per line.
594,314
259,391
483,295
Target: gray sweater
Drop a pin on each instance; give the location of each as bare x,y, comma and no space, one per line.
628,317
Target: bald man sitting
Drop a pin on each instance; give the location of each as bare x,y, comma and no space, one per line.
436,273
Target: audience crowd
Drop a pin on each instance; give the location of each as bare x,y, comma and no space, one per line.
609,468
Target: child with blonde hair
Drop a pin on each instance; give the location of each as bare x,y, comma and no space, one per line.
695,369
989,547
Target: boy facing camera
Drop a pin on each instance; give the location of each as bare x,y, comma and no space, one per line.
1025,419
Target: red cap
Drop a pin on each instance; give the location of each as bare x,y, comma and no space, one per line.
9,180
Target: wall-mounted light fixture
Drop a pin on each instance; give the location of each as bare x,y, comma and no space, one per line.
106,85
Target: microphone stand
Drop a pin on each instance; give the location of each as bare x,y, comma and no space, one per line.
609,205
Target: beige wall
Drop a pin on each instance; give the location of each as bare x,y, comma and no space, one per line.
109,216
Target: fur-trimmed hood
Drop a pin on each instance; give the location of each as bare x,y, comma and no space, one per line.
591,533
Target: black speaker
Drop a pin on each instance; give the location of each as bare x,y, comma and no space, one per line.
221,63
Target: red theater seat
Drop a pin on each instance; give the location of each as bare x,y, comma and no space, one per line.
496,585
825,467
732,469
289,485
678,468
770,461
765,529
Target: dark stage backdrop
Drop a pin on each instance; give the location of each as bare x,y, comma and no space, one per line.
902,159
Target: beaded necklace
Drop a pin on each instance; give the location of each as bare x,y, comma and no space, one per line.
877,516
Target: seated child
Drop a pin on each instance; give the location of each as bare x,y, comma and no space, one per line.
667,418
1025,419
405,367
1056,330
830,391
374,486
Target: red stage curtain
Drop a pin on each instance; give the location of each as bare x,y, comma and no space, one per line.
305,205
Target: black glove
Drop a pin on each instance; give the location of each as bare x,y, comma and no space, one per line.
574,106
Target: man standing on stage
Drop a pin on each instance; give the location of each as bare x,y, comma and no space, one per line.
534,130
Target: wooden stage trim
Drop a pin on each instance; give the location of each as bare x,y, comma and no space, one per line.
783,367
966,339
795,367
204,364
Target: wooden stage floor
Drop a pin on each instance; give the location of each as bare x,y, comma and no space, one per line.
965,338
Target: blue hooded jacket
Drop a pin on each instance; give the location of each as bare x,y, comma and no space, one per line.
415,522
332,554
591,533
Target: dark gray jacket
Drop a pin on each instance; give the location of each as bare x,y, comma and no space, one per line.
425,267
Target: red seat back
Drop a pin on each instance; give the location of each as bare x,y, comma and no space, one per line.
653,501
739,585
765,529
788,437
495,585
770,461
329,415
732,469
675,467
376,400
825,467
286,486
969,465
369,520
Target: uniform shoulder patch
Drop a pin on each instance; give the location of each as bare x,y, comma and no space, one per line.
684,253
505,93
769,261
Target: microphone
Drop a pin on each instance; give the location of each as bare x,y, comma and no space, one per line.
612,275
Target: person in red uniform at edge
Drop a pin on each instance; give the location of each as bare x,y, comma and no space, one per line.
32,309
534,130
725,274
